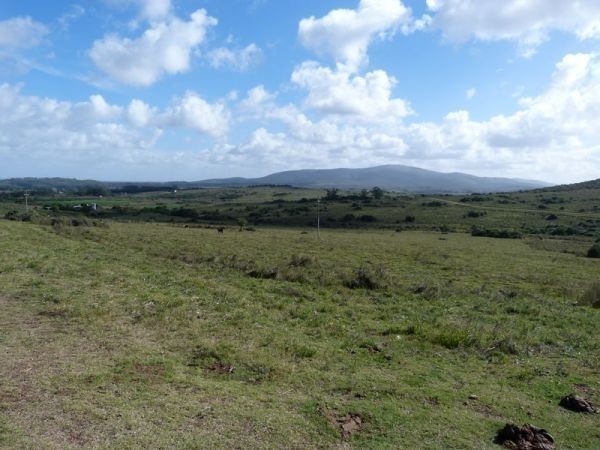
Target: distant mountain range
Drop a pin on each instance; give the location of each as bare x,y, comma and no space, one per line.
390,177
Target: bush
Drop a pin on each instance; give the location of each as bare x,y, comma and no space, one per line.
475,214
594,251
409,219
367,218
264,273
301,261
591,296
452,338
433,204
366,278
498,234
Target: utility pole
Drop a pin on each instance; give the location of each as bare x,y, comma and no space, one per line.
319,218
26,202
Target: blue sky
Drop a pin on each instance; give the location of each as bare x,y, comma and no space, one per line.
191,89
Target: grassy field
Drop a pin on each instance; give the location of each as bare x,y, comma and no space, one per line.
147,335
566,212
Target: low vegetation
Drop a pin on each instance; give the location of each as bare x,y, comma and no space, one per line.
147,335
219,318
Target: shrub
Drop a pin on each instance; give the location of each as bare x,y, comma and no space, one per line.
591,296
301,261
594,251
453,338
366,278
264,273
12,215
367,218
433,204
475,214
498,234
409,219
427,290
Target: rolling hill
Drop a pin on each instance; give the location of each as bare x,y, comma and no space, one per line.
391,177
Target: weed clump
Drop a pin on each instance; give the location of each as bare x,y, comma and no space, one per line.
366,278
453,338
428,291
264,273
591,296
498,234
301,261
594,251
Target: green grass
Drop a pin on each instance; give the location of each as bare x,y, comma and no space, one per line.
560,213
156,336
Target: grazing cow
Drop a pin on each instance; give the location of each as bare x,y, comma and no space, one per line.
220,229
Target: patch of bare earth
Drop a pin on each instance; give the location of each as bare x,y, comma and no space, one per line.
35,356
347,424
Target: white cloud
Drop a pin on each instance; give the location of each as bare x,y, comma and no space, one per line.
472,92
237,59
93,132
196,113
155,9
256,102
527,22
21,32
346,34
152,10
35,127
553,136
74,13
337,92
164,48
139,113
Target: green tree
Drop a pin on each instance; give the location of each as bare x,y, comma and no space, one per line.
332,194
377,192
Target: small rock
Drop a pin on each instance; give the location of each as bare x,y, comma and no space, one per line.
527,437
578,404
473,397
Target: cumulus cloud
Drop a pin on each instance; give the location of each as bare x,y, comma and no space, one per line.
21,33
33,127
151,10
527,22
89,132
337,92
345,34
196,113
236,59
552,136
140,114
553,133
155,9
164,48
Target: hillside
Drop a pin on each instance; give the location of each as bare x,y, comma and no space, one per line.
390,177
586,185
